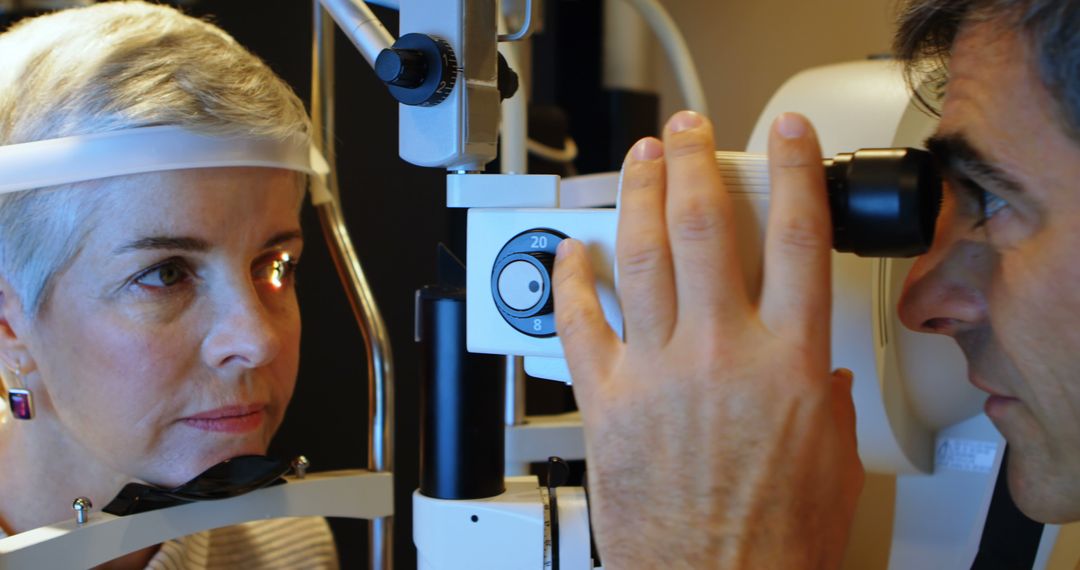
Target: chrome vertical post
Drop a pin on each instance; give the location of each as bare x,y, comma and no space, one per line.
361,299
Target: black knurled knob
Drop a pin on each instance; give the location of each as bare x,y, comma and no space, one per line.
508,81
401,67
418,69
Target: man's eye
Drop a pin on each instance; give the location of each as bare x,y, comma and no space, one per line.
988,203
164,275
991,204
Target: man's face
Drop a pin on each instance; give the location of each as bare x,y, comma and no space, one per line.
1002,276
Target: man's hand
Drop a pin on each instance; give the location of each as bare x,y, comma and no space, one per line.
716,435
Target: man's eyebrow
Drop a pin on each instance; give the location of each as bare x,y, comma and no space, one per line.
957,156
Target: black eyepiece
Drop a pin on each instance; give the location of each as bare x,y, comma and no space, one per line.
884,202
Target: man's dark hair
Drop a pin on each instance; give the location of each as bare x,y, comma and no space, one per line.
927,29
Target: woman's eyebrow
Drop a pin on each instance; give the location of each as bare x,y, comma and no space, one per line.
183,243
164,242
956,155
283,237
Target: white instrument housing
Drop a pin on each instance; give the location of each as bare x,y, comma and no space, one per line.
511,530
916,412
907,385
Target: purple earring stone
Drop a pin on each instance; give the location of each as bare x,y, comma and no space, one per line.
21,403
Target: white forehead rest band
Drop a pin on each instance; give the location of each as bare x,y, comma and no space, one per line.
53,162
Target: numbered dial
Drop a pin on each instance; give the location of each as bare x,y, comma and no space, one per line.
521,281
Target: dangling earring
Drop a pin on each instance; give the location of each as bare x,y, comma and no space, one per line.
20,400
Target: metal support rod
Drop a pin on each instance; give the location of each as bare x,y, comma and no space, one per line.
526,28
376,338
514,159
514,377
360,25
514,406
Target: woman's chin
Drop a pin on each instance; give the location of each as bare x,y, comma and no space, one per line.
178,472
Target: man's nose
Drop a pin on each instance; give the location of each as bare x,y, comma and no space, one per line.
946,290
244,333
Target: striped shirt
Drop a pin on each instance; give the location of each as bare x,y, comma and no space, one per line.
274,544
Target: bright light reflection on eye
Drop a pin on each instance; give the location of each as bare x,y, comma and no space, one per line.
278,271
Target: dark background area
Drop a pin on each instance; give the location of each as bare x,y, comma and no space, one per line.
396,215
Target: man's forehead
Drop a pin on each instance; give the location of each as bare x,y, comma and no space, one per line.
983,42
991,64
995,102
994,96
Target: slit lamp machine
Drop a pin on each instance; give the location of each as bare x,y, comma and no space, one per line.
462,104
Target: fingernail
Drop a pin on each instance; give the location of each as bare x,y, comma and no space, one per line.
684,121
648,149
791,126
845,374
565,247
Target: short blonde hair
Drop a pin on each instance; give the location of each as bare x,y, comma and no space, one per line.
109,67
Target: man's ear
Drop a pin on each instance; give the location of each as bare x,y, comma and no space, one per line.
14,354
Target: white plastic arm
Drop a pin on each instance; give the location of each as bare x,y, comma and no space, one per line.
68,546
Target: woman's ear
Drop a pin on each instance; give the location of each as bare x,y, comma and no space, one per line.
14,354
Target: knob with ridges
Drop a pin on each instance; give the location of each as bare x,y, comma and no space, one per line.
419,70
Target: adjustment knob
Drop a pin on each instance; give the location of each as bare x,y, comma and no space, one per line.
508,80
524,283
401,67
521,281
419,70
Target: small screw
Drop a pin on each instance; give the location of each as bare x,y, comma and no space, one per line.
82,507
300,466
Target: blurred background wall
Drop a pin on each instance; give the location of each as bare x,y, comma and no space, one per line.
746,49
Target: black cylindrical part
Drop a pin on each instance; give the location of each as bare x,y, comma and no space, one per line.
884,202
462,434
401,67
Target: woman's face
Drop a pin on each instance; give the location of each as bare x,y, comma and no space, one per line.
171,342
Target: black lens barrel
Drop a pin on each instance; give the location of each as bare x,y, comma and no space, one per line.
884,202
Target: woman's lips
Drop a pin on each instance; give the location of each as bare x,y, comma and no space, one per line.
229,419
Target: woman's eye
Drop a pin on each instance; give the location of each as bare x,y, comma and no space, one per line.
278,271
164,275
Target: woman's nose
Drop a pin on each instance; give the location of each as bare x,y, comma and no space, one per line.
244,334
945,291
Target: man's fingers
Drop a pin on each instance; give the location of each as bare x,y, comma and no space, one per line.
798,242
646,279
843,403
588,342
708,275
